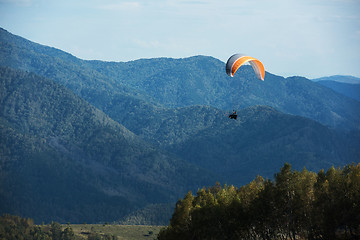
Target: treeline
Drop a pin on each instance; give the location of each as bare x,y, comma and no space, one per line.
295,205
15,227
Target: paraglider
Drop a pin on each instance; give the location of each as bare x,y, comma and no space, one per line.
236,61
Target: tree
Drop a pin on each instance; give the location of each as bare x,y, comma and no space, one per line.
351,204
67,234
180,222
15,227
56,231
297,205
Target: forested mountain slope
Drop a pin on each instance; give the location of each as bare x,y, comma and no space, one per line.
263,139
62,158
339,78
348,89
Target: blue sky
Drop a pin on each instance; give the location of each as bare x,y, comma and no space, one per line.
310,38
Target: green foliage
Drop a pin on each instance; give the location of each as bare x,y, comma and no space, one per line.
56,231
14,227
17,228
296,205
115,231
152,213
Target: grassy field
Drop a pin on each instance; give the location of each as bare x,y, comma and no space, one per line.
121,232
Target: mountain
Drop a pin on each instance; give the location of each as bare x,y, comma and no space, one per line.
62,67
62,159
93,141
339,78
346,85
263,139
351,90
164,82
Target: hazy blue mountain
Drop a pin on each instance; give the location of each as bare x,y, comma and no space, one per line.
348,89
76,74
346,85
339,78
198,80
62,159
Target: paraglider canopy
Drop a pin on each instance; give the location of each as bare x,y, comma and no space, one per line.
237,60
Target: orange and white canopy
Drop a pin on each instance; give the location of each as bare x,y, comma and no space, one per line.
237,60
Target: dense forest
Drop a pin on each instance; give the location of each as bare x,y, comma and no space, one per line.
295,205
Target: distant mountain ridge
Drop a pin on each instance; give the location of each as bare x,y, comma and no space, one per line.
339,78
351,90
346,85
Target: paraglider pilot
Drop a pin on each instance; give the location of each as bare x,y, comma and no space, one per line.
233,115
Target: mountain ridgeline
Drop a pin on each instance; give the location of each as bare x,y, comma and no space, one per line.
93,141
167,82
348,89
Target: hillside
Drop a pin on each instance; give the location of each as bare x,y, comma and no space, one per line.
199,80
62,67
351,90
263,139
62,159
340,79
